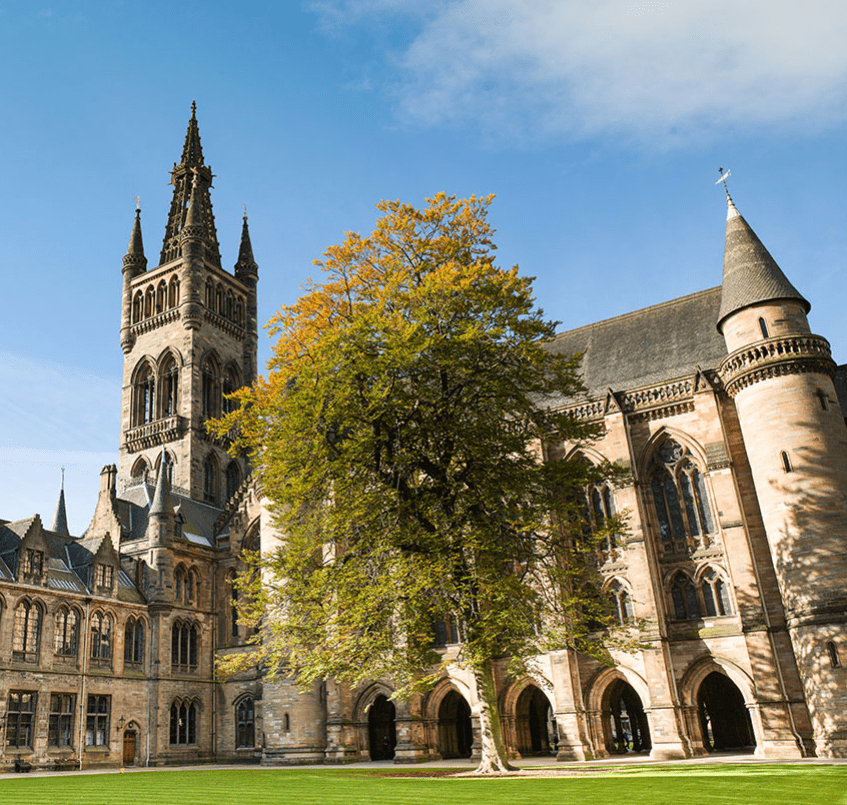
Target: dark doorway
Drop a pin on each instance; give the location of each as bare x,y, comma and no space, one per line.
625,720
129,748
724,719
533,722
382,731
455,731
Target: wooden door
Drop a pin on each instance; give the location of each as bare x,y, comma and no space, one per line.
129,748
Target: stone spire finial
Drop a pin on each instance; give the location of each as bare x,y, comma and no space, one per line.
60,518
134,259
750,275
191,170
246,263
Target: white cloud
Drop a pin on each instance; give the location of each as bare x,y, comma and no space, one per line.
653,71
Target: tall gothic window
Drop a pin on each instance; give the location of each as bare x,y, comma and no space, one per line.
134,641
144,386
621,602
681,500
231,383
173,292
210,295
210,479
168,387
101,637
233,479
27,631
161,297
245,718
66,635
149,302
211,402
239,313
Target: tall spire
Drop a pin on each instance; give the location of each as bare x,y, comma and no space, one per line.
192,168
246,263
750,275
60,518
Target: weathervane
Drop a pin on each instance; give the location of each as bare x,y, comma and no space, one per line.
724,177
245,212
137,202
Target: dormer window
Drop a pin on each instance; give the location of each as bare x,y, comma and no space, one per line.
33,563
104,575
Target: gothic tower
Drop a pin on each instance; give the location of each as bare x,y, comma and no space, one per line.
189,337
780,377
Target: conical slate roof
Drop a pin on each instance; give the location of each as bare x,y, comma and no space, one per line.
162,497
750,275
246,262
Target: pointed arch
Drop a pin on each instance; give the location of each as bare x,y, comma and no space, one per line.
245,721
210,479
29,616
170,463
231,383
168,375
134,635
149,302
685,603
620,594
66,626
137,307
173,292
161,297
210,370
143,393
101,627
233,478
210,294
140,470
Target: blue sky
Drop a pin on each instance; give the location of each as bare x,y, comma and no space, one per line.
600,126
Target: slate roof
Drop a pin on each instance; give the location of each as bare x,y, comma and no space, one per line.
67,561
651,345
750,274
199,518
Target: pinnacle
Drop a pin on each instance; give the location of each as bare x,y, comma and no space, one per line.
192,151
246,261
135,249
60,518
162,497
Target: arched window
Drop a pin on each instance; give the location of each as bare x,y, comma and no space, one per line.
621,602
233,605
211,402
173,292
137,307
140,470
239,313
168,387
101,637
219,300
230,305
684,598
161,297
245,718
231,383
179,583
716,600
786,462
143,390
681,500
66,634
190,587
763,327
210,479
183,723
149,302
233,479
184,647
832,653
134,641
210,295
27,631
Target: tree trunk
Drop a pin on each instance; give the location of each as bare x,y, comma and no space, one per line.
493,760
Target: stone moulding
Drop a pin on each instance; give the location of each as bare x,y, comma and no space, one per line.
154,433
227,326
776,357
159,320
652,402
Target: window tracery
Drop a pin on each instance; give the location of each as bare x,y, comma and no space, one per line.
715,594
681,501
134,641
144,387
101,637
66,632
621,602
184,639
245,719
183,729
27,631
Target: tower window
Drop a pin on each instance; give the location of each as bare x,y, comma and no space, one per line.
143,391
786,462
832,653
764,328
822,399
210,479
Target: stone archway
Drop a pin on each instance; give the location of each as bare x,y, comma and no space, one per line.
625,727
455,731
382,729
534,724
724,719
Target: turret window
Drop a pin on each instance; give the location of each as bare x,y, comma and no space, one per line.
786,462
832,653
764,328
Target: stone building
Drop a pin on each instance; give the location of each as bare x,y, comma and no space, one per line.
728,411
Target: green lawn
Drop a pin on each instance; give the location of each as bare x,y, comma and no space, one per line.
651,785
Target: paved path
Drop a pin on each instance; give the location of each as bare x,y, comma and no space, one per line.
530,764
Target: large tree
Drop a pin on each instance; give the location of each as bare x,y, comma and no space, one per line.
399,436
